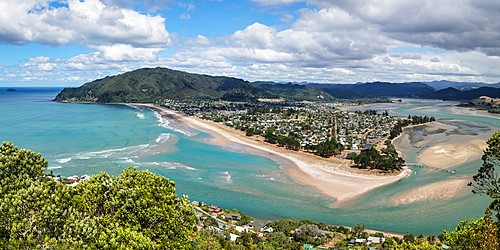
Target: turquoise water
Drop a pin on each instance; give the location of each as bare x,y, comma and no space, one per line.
88,138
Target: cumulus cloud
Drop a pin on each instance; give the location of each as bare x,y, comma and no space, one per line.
152,5
88,22
464,26
330,41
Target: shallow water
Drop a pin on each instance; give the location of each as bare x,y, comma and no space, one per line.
88,138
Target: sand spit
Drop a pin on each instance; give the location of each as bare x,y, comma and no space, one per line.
332,177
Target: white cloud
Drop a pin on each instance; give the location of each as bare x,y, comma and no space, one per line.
463,26
125,52
333,41
89,23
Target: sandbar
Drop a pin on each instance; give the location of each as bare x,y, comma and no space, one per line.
441,190
332,177
447,155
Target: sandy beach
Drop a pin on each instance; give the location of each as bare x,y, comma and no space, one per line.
441,146
332,177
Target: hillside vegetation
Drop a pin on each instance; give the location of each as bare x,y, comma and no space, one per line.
156,84
153,85
141,210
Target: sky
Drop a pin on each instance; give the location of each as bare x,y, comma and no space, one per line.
70,42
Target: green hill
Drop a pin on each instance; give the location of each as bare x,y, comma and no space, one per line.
154,84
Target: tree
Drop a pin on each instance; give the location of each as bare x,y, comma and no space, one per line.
486,181
328,148
358,229
481,234
306,233
210,222
20,163
136,210
284,225
278,240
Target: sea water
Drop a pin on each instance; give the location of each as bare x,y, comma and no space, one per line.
80,139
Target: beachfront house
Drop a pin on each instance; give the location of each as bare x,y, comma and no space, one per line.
234,217
215,210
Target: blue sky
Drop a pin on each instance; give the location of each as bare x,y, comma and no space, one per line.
70,42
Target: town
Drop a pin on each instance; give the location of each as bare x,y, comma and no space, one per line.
322,129
233,228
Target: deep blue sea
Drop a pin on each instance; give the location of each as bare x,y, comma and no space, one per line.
89,138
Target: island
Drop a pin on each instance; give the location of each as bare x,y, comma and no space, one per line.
11,90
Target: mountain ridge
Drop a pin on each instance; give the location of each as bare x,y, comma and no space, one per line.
156,84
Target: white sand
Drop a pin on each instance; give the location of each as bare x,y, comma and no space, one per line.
441,190
332,177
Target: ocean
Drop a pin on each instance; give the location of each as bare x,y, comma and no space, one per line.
80,139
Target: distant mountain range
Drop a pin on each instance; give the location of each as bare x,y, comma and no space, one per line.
428,90
155,84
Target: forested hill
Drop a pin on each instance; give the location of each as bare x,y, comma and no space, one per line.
156,84
153,84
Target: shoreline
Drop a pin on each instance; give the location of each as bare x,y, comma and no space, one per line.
436,152
331,177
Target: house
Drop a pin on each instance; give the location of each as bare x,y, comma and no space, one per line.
375,240
72,179
85,177
241,229
233,237
235,217
215,210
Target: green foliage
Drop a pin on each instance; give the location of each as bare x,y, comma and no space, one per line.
328,148
136,210
387,160
156,84
486,181
358,230
481,234
21,163
284,225
306,233
278,240
412,120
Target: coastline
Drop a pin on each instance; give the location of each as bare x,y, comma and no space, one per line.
438,147
331,177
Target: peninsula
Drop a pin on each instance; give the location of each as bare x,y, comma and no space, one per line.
333,176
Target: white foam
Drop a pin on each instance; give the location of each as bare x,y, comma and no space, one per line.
139,115
109,152
175,165
226,176
129,161
54,167
166,124
63,160
162,138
